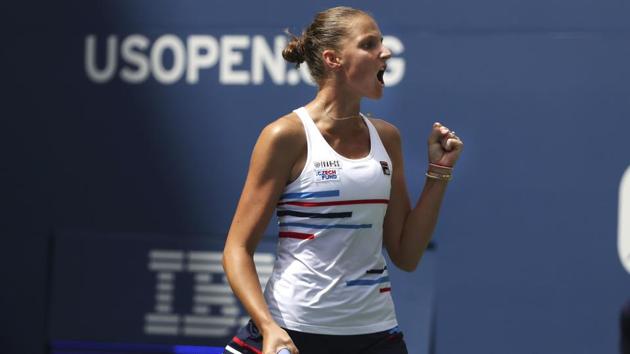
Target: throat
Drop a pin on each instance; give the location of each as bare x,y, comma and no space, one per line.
351,146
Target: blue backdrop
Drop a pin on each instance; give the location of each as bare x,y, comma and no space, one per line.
139,118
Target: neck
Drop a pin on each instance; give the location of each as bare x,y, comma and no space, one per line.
336,106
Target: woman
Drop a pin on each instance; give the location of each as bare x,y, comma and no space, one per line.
337,181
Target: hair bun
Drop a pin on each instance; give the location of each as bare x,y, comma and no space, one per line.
294,51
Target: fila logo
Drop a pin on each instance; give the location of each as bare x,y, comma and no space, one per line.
385,167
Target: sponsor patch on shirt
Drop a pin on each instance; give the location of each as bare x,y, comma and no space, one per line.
327,164
327,170
327,175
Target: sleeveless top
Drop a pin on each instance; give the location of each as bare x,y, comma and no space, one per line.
330,276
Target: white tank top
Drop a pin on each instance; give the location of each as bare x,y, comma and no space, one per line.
330,275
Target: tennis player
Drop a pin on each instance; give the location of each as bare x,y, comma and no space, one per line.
335,179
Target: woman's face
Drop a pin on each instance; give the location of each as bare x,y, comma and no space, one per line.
363,58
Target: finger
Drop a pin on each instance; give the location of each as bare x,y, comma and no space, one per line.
437,132
448,144
291,347
454,144
445,134
445,138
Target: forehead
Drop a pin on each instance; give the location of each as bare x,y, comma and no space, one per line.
363,26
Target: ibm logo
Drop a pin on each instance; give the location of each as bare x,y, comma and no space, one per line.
215,311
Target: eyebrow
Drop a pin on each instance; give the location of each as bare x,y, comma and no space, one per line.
371,36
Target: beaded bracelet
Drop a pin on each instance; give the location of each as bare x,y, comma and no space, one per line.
440,177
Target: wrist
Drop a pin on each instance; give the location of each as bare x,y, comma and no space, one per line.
439,169
266,326
439,172
438,177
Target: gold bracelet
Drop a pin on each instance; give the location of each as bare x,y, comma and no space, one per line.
439,177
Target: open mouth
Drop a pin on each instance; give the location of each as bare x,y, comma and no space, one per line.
380,74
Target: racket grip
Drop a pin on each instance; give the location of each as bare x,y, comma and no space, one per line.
284,351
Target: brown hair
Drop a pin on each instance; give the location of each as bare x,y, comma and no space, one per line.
326,32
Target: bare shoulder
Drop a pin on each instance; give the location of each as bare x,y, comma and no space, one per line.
282,141
389,134
285,130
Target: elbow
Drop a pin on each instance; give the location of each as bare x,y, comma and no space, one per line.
410,269
227,257
224,258
405,262
408,266
233,255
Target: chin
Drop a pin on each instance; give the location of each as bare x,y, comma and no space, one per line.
375,95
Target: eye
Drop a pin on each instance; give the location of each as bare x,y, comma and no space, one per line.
368,45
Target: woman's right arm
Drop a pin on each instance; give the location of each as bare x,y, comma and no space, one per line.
278,148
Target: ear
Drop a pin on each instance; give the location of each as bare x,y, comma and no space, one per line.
331,59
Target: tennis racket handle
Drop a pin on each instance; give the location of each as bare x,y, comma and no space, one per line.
284,351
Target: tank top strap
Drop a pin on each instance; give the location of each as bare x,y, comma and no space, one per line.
313,136
377,147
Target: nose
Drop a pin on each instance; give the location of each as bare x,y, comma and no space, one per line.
386,53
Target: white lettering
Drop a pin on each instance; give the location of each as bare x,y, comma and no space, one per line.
168,58
175,45
272,61
137,58
230,58
196,60
395,66
91,69
305,74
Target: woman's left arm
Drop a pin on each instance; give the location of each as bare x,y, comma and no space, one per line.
406,230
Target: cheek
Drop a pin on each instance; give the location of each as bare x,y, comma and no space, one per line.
360,71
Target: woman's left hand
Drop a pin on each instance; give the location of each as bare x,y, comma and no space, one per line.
444,146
